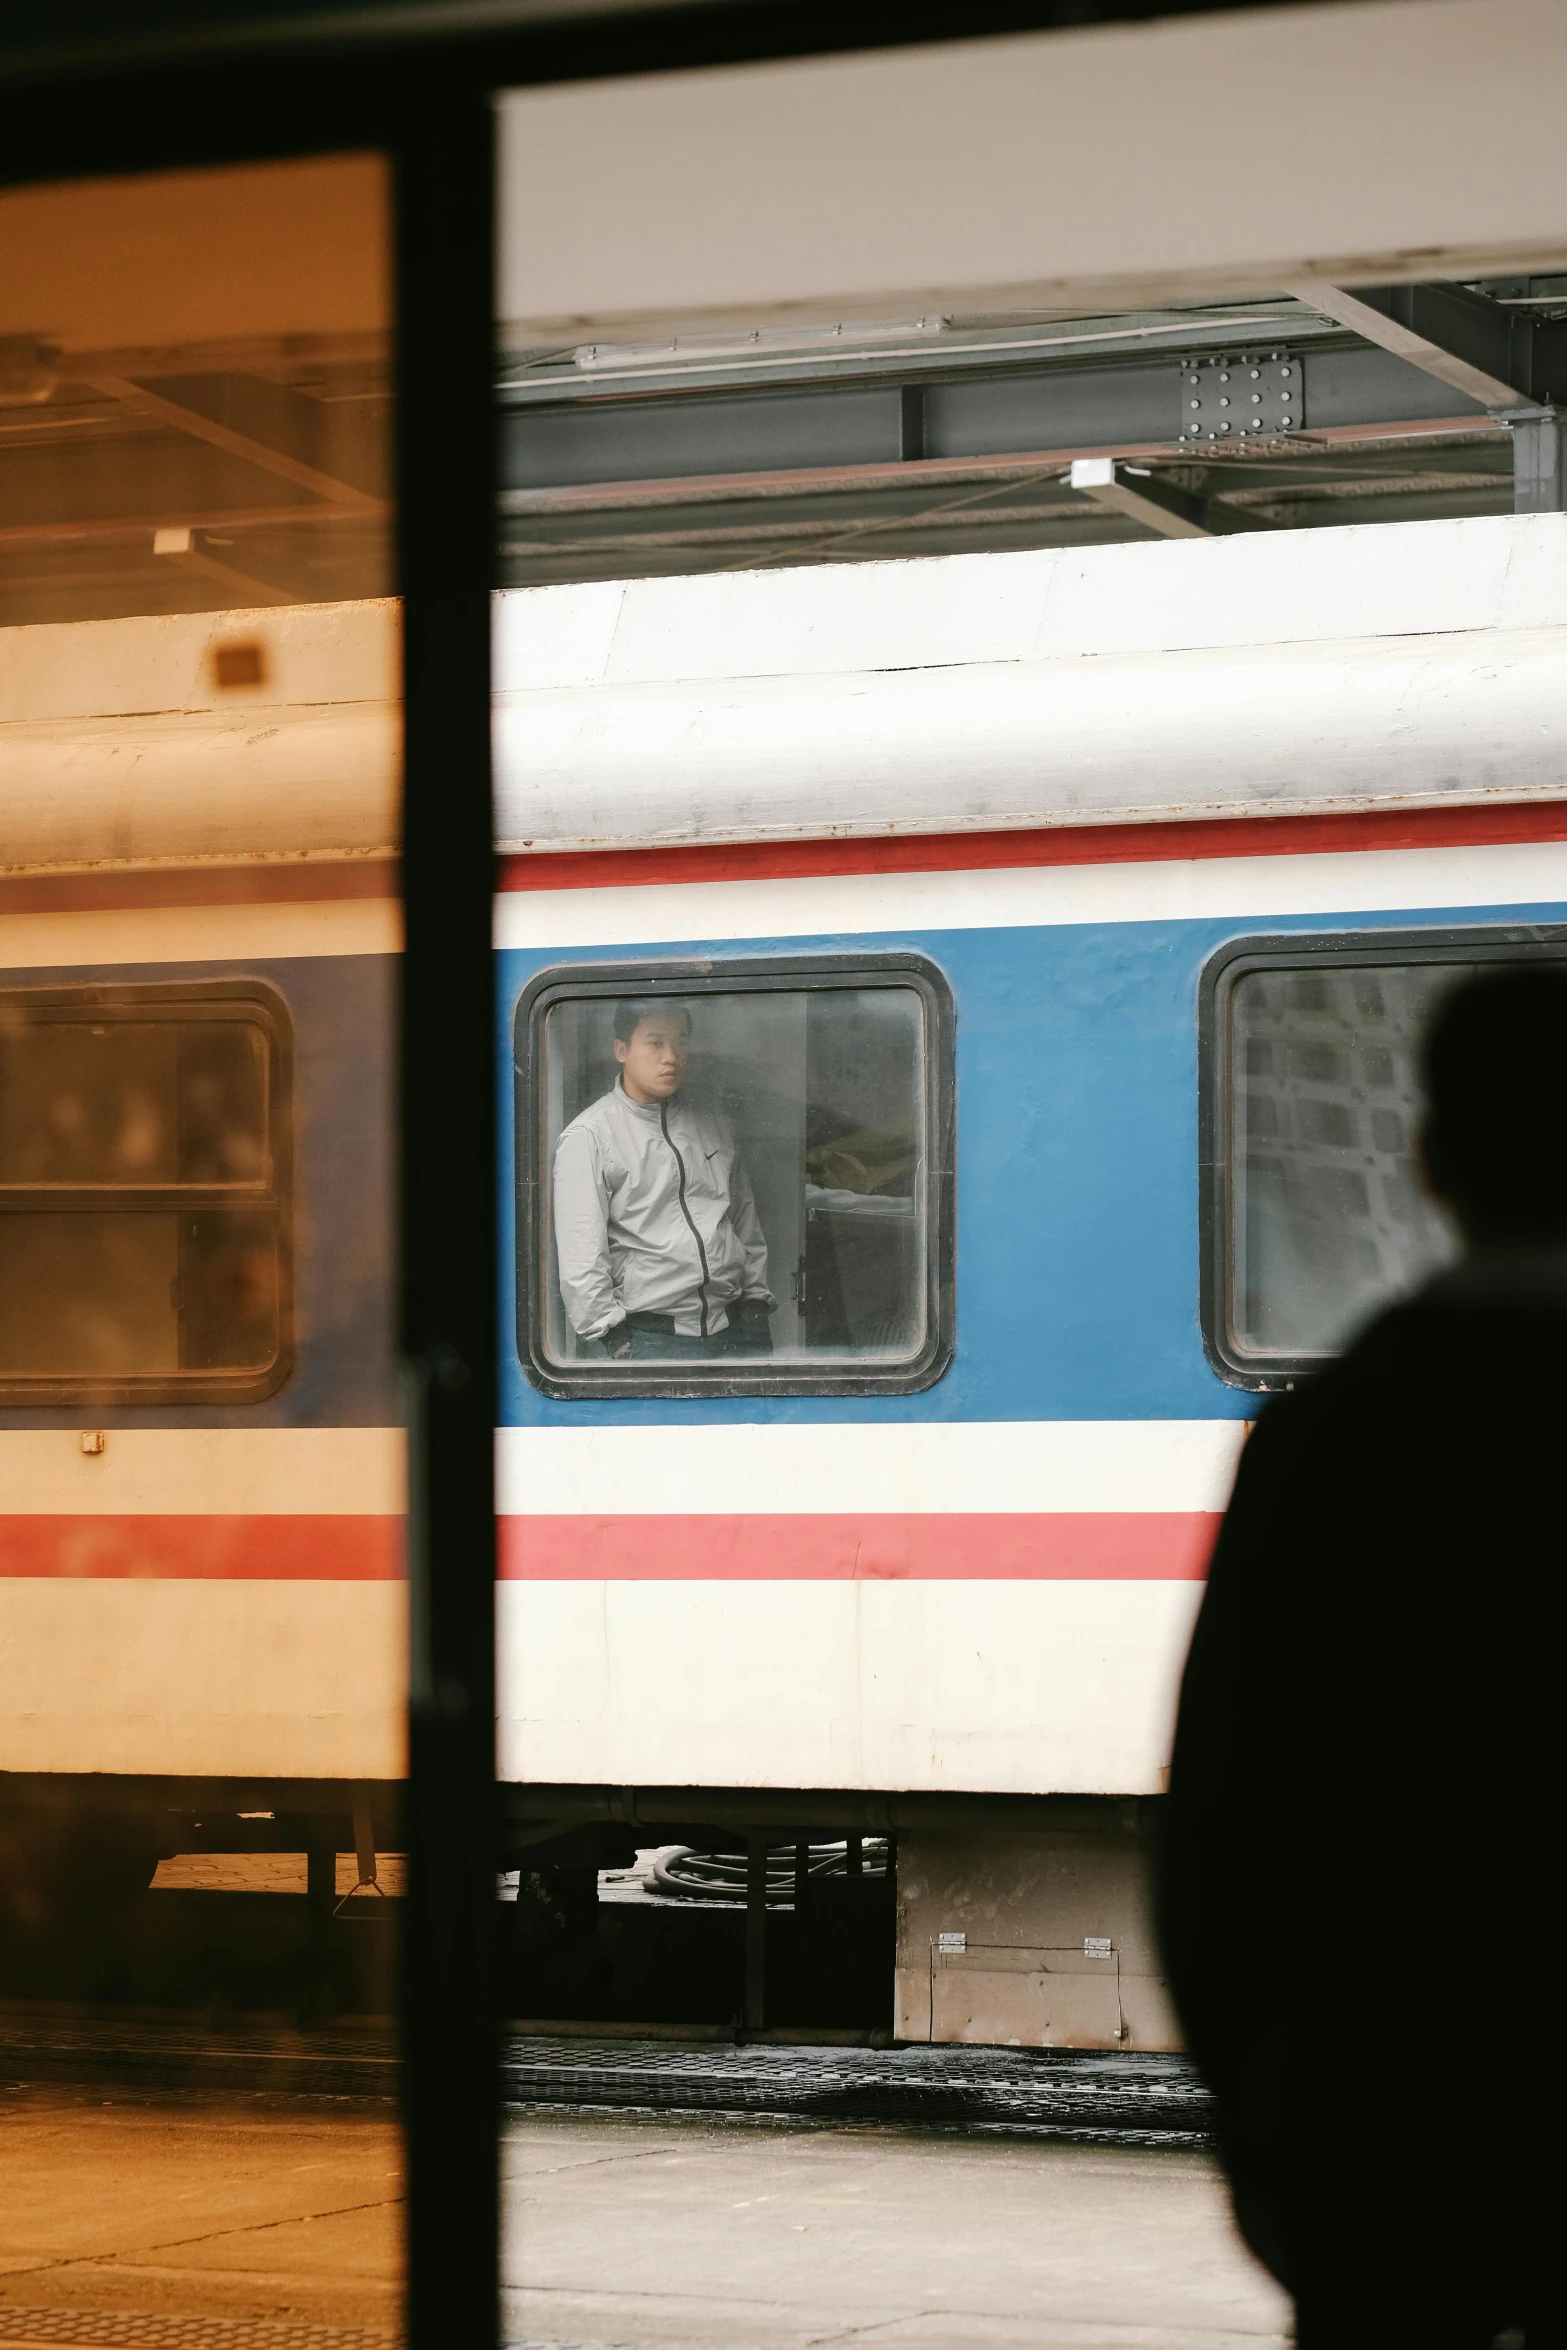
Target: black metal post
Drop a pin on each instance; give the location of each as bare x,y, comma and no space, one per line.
445,201
321,1877
321,1901
755,1933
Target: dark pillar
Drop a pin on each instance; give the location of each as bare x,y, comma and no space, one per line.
321,1897
755,1933
446,499
320,1874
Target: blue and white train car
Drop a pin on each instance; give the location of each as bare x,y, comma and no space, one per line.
1049,934
1053,932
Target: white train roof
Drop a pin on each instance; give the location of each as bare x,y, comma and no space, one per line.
120,747
1271,673
1387,666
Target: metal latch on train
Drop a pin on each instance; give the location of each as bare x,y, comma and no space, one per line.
1239,394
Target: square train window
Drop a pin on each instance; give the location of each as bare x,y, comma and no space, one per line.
144,1153
735,1180
1316,1215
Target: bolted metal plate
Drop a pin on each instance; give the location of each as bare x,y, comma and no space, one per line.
1241,396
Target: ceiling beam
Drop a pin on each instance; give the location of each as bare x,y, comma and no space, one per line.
183,550
344,496
1468,341
1173,513
1157,504
125,530
1019,468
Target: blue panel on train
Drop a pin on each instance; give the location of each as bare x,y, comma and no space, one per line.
1077,1226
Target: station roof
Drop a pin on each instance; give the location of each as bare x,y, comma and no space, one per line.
225,472
71,40
945,435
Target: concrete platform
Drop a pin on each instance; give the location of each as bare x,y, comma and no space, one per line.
232,2225
640,2234
268,2223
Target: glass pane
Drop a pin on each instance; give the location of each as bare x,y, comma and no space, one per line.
103,1108
1330,1218
895,555
89,1296
176,1101
736,1177
202,1680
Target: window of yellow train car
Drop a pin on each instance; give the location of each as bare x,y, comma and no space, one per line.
735,1178
1315,1213
144,1152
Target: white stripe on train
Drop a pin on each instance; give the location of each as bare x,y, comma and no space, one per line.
1243,889
88,937
972,1466
178,1472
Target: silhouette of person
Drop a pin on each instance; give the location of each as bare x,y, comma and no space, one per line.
1355,1852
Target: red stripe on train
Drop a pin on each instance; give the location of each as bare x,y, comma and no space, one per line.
1067,844
326,1549
1151,1546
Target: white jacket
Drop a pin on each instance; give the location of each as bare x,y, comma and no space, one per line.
653,1214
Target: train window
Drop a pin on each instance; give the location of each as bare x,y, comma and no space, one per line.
1316,1215
143,1160
735,1178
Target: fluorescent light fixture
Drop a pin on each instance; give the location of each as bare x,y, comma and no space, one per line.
761,342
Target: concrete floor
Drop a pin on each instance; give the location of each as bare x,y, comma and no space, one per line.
641,2234
253,2208
662,2236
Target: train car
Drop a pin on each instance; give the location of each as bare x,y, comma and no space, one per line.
1053,932
201,1608
1046,935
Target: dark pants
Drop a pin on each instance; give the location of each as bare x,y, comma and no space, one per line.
654,1339
1421,2238
1408,2310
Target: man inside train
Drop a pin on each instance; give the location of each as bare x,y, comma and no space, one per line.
1361,1820
659,1249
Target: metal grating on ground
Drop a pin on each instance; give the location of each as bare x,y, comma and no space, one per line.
108,2329
101,2053
1124,2097
1059,2092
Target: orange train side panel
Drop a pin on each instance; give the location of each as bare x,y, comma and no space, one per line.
203,1677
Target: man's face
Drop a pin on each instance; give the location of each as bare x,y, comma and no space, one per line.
653,1064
